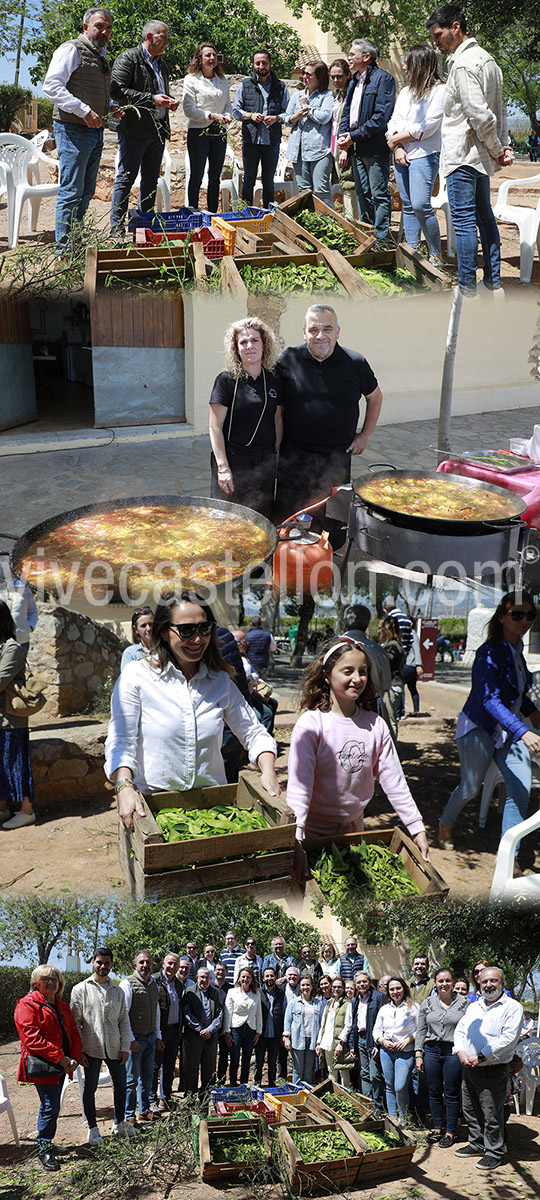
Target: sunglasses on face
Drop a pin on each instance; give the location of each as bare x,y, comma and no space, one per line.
189,629
519,614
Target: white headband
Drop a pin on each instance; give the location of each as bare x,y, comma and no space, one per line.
350,642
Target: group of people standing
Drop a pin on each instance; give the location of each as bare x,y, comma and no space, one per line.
234,1011
458,128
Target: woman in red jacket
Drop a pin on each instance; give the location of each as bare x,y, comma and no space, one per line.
48,1033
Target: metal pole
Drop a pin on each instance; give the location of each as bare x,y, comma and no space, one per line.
445,410
19,43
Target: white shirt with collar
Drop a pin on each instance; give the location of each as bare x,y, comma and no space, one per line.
168,732
490,1029
356,101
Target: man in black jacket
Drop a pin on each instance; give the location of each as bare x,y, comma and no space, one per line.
369,104
269,1043
365,1007
139,83
203,1019
170,991
260,104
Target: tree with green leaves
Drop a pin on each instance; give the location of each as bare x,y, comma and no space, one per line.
235,28
518,55
33,926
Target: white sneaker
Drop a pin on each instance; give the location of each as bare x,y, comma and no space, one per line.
20,819
124,1130
94,1137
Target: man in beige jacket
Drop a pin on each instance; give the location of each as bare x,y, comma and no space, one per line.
99,1008
474,144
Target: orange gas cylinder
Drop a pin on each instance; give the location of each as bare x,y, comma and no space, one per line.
303,563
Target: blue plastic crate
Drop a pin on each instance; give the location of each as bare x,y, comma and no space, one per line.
179,221
231,1093
245,215
286,1089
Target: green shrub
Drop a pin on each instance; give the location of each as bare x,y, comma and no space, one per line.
14,983
11,99
45,113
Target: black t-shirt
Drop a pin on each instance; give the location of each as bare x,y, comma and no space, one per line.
321,399
248,407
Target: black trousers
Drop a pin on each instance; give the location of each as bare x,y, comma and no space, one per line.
306,477
165,1060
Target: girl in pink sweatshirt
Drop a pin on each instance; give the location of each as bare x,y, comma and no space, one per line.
339,748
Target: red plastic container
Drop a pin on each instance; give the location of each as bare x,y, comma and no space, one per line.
213,241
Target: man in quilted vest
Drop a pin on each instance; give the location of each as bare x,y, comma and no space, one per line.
260,104
142,996
77,82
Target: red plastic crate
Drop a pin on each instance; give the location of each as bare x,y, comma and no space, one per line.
212,239
258,1108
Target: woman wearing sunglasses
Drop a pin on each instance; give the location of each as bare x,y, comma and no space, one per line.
491,725
169,709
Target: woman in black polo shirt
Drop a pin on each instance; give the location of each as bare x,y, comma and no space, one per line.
246,422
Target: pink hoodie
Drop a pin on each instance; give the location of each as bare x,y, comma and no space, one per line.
333,764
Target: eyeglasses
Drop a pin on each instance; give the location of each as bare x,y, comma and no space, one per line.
190,629
519,614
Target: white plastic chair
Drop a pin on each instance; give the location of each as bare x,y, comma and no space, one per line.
527,221
529,1075
230,189
78,1077
504,888
6,1106
163,193
19,174
441,201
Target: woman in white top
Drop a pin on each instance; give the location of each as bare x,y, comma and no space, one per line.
243,1023
168,712
207,106
414,134
302,1021
394,1032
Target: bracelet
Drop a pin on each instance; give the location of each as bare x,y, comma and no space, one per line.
126,783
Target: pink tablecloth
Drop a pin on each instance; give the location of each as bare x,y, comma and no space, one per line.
523,483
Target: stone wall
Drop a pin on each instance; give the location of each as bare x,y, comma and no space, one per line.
75,656
68,765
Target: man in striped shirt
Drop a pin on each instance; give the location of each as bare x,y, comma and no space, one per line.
230,954
474,144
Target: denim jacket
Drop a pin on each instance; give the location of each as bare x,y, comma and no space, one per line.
310,139
294,1023
494,690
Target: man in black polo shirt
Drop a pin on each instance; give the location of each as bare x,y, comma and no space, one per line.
322,386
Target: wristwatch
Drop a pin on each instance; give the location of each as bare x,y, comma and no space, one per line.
481,1058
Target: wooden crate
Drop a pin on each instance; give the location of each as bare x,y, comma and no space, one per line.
307,1177
154,867
364,1104
411,260
213,1172
424,874
350,279
140,262
381,1164
284,215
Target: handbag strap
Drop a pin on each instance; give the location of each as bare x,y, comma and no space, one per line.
254,434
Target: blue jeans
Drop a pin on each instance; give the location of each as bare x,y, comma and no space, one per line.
317,176
397,1066
415,184
371,174
79,153
136,153
443,1074
303,1065
267,156
139,1070
476,751
243,1038
202,148
470,206
372,1080
49,1094
117,1072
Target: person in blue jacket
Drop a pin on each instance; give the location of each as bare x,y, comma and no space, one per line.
303,1017
368,107
491,724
